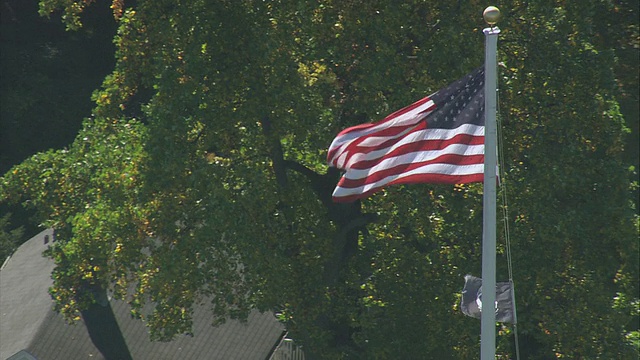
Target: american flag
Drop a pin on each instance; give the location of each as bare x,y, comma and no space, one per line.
438,139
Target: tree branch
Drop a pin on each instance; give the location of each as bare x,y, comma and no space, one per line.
276,153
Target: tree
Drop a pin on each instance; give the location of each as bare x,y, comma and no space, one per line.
9,237
202,175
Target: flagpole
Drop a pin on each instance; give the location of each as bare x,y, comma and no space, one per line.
488,318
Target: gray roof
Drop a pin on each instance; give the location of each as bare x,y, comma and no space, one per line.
28,322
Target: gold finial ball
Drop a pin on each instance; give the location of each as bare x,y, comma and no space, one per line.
491,15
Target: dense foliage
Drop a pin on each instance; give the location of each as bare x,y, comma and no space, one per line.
201,175
9,236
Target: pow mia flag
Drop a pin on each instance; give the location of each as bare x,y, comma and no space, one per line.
471,304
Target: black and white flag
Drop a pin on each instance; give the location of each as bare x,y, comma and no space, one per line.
472,299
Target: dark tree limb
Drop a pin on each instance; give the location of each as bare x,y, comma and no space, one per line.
347,217
276,153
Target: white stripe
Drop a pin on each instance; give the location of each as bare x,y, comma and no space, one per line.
340,156
407,119
445,169
339,163
373,140
415,157
427,134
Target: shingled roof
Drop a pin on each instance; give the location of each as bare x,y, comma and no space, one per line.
28,322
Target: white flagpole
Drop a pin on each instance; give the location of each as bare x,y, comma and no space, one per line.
488,317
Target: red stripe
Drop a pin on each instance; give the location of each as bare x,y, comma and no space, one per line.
390,131
416,122
450,159
355,148
420,145
413,179
406,109
385,132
